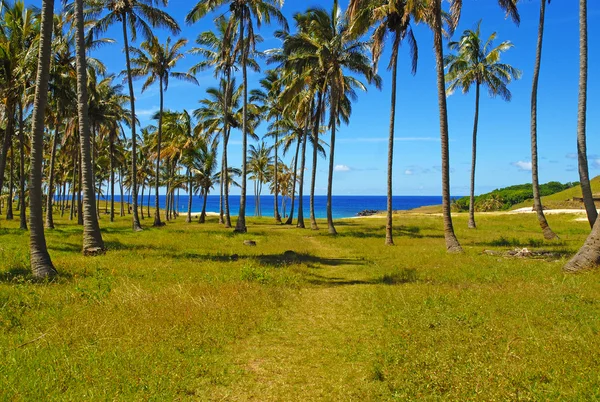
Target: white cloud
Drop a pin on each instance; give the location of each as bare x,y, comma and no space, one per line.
147,112
522,165
596,163
408,172
341,168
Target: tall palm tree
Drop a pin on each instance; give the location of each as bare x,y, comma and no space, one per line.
41,264
139,15
537,201
584,177
389,17
478,63
220,55
269,97
92,237
156,61
243,14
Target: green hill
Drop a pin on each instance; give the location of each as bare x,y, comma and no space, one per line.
564,199
506,198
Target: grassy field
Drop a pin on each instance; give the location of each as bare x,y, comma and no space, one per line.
187,312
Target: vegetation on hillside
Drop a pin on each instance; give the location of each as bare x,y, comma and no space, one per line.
505,198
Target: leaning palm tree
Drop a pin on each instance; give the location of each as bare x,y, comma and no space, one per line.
584,177
537,201
156,61
41,264
430,12
389,17
138,15
92,237
478,63
243,14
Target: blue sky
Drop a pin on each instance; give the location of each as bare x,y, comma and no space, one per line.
504,144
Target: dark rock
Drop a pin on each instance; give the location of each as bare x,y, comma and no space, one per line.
234,257
251,243
367,212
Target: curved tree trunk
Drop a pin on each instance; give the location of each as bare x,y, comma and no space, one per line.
452,244
294,178
389,237
240,225
92,237
73,186
22,209
142,202
122,195
472,224
330,226
41,264
157,221
221,201
79,187
313,178
300,223
584,178
50,200
537,201
136,219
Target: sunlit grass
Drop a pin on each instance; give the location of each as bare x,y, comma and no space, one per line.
188,312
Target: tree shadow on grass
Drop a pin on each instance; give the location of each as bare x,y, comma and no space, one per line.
273,260
403,276
114,245
413,232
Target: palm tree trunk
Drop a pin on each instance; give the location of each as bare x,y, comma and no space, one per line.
50,200
313,180
389,237
79,187
330,226
11,185
240,225
277,216
190,194
584,177
41,264
136,219
8,137
122,195
142,201
73,186
111,148
22,210
452,244
300,223
157,221
537,201
472,224
294,177
224,168
64,195
148,203
203,214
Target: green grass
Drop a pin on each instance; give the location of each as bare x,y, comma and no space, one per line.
187,312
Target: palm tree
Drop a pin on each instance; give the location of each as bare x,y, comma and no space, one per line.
41,264
478,63
242,14
217,114
220,55
584,176
389,17
259,160
537,201
269,98
204,172
157,61
92,237
139,15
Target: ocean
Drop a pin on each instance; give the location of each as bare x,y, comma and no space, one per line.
343,206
